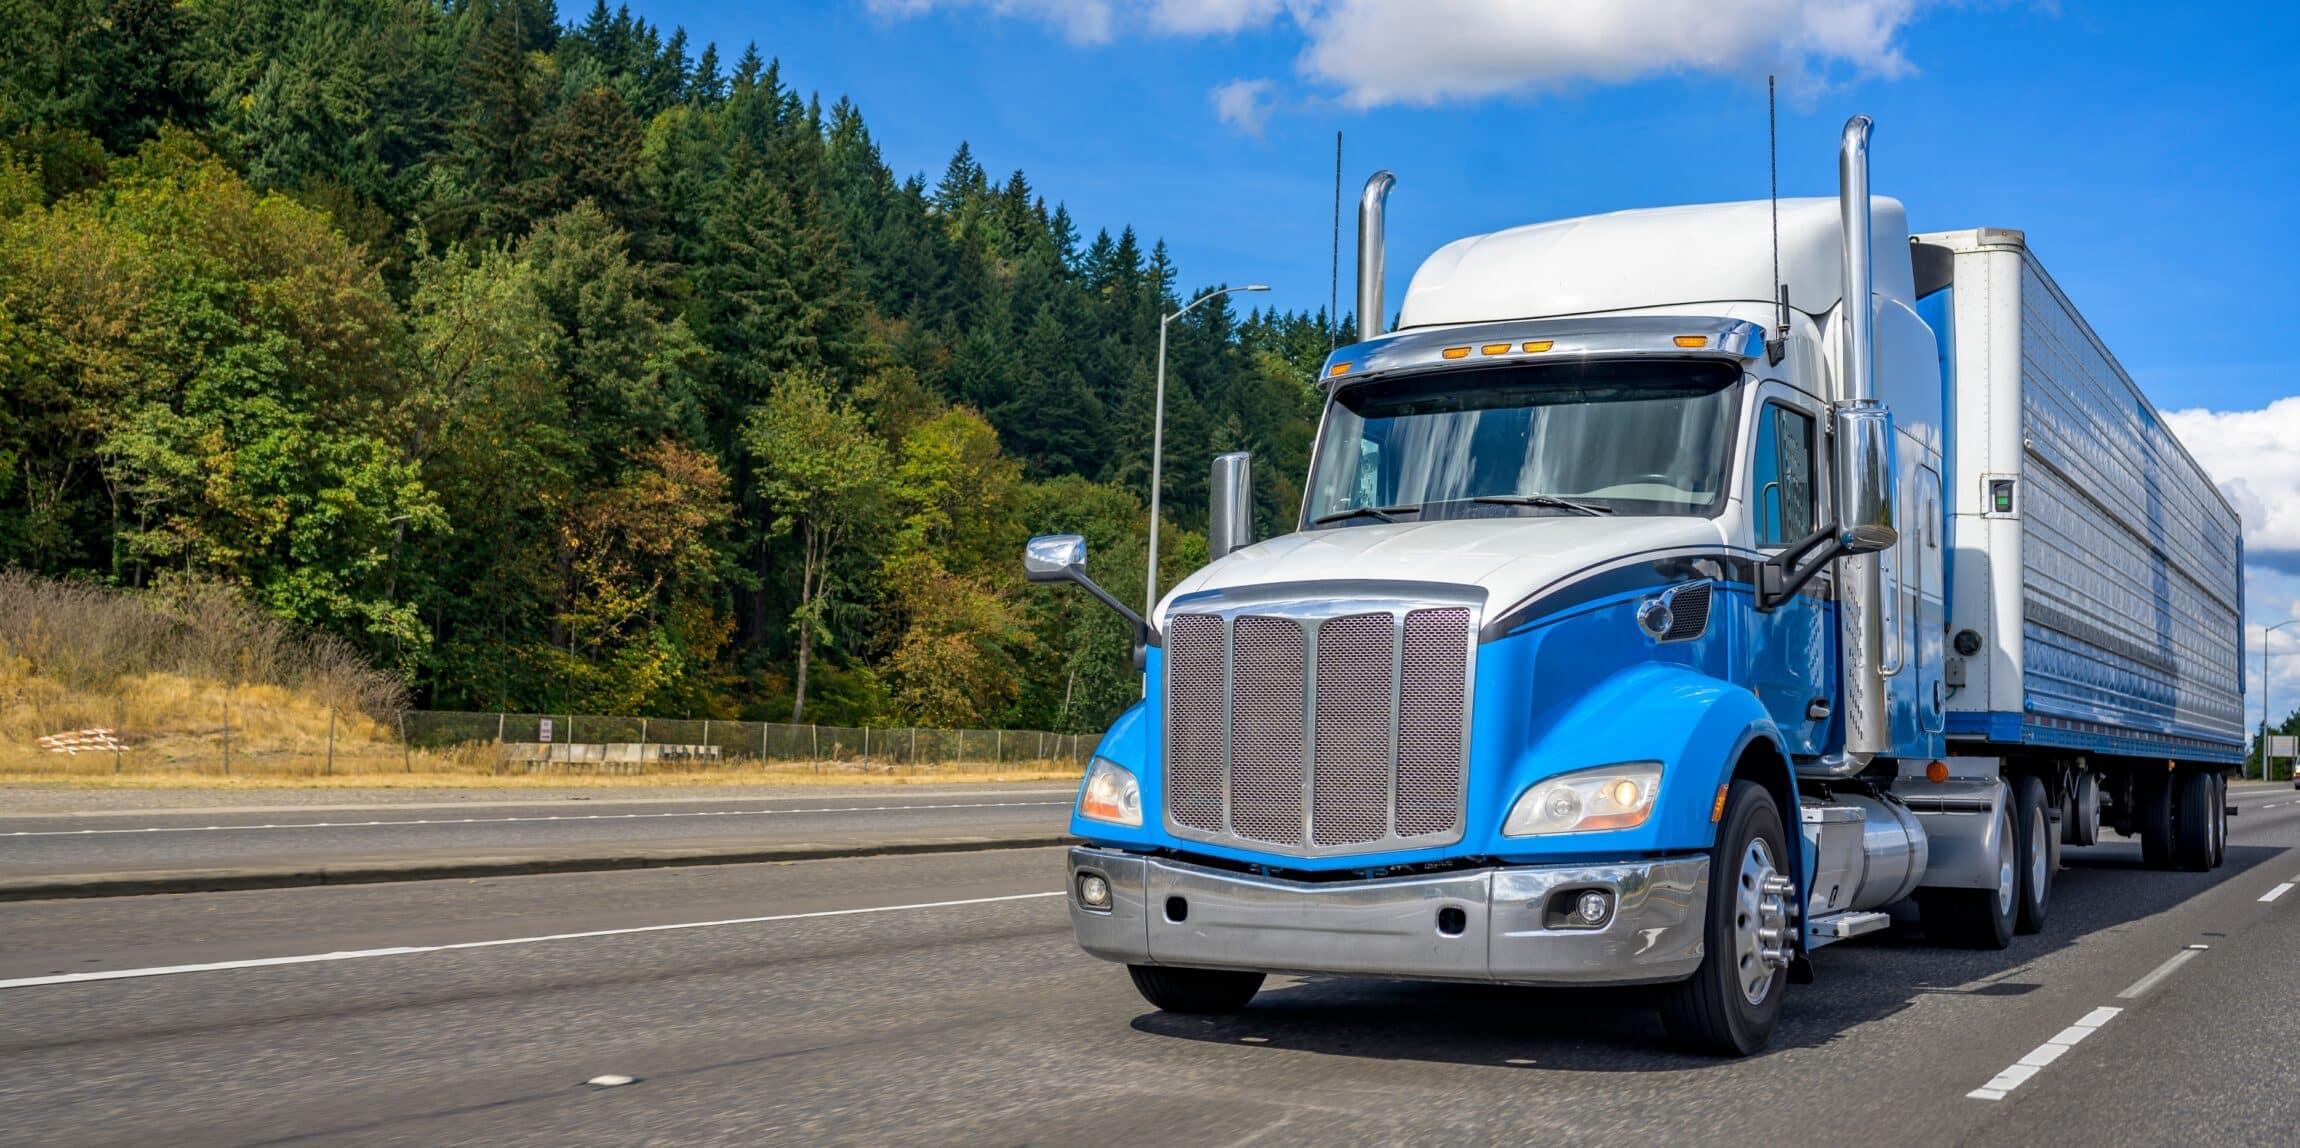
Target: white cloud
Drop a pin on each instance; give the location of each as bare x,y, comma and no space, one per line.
1243,104
2255,457
1375,52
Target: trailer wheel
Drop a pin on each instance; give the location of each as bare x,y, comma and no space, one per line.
1728,1007
2193,815
2153,817
2032,835
1195,990
1978,918
2081,825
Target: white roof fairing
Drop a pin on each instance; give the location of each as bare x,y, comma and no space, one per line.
1654,257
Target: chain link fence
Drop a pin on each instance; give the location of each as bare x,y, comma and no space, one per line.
257,731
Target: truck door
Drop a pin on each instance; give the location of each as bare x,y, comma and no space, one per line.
1788,659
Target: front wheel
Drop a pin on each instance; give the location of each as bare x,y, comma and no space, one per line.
1195,990
1728,1007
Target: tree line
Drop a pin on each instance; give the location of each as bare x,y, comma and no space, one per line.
559,366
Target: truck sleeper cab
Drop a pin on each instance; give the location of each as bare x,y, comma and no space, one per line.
1610,648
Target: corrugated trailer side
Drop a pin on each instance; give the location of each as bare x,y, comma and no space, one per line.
2098,587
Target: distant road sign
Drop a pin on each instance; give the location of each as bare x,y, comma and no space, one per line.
544,735
2283,745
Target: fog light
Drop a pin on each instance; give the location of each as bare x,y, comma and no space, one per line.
1093,891
1593,908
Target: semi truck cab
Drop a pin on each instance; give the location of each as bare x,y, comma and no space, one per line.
1610,647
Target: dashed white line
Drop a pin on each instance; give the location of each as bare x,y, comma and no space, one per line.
2019,1071
2137,988
408,950
509,820
2276,892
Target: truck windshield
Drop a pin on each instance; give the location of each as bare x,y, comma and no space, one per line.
1606,436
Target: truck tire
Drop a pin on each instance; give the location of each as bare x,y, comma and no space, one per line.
2152,793
1728,1007
1195,991
2033,834
2219,820
2193,815
2081,825
1978,918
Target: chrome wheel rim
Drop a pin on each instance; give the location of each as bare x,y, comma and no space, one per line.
2005,870
1760,922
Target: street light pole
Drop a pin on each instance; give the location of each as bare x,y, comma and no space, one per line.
2264,635
1158,442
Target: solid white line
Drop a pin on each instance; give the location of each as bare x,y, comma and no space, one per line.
2018,1072
543,817
2134,990
2276,892
404,950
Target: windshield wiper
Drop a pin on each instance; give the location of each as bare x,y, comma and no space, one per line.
1384,513
1548,500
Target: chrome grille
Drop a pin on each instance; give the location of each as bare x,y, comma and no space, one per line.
1194,722
1311,735
1432,697
1266,730
1355,666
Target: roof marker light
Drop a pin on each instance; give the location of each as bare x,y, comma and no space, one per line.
1538,346
1455,352
1495,348
1692,340
1337,370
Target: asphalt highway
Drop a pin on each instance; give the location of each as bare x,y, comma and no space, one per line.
938,999
140,842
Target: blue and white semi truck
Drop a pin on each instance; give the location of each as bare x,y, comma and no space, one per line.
1676,592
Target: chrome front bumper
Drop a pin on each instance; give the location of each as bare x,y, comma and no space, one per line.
1391,927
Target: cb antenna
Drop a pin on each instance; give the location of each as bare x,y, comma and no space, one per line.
1778,345
1334,282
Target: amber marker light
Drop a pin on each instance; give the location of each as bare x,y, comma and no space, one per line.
1717,808
1337,370
1455,352
1937,772
1692,340
1495,348
1538,346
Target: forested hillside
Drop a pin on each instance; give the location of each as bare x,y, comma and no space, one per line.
568,367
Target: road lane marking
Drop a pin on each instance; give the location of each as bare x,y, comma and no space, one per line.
407,950
2018,1072
2137,988
2276,892
537,818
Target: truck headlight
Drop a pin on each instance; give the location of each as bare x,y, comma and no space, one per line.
1110,794
1609,797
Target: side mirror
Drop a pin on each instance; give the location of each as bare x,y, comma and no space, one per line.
1230,525
1866,496
1054,558
1062,558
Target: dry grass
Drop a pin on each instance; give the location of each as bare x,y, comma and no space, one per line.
206,691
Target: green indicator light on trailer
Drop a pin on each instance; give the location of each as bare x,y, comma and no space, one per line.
2001,496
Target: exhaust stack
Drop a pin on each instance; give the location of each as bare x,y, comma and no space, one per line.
1862,586
1859,384
1371,240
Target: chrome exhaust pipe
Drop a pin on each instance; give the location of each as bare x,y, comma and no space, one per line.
1860,578
1860,384
1371,240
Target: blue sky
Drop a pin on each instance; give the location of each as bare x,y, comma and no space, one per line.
2147,150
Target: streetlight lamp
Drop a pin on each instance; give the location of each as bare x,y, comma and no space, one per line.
2264,635
1158,440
